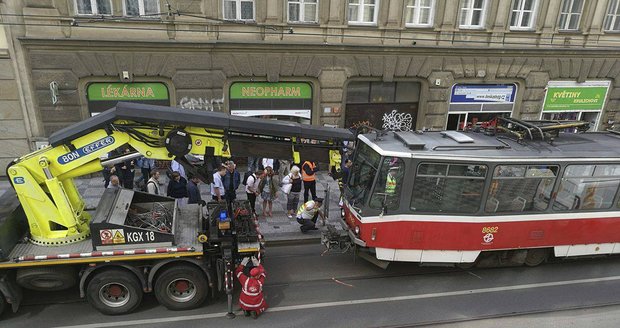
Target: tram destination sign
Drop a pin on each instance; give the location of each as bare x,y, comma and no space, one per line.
562,98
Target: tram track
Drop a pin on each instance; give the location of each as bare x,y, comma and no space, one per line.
515,314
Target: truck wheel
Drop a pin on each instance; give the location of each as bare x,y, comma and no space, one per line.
47,278
114,292
181,287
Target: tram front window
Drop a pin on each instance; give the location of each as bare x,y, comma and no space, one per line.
386,193
362,174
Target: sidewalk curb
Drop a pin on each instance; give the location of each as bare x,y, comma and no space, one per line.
292,242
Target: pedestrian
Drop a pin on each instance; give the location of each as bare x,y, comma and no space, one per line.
252,165
177,188
267,162
308,213
107,173
251,188
193,191
231,182
251,299
346,169
128,171
152,186
145,165
284,167
115,182
308,175
268,191
176,166
292,183
217,187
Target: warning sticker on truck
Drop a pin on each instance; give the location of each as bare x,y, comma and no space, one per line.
112,236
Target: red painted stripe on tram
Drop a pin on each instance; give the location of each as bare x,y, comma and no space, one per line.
489,235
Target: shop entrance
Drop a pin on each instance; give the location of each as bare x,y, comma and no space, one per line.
382,105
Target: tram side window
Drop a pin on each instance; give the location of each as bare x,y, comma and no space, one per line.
587,187
521,188
389,184
448,188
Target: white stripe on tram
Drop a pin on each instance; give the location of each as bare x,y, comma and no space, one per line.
351,302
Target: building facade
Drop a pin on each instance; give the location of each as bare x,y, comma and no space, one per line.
397,64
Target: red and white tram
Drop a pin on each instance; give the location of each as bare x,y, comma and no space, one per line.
462,198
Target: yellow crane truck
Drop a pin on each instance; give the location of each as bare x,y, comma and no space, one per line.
136,242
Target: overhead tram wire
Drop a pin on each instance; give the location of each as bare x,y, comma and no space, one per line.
102,18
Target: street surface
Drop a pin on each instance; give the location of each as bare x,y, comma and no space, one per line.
305,289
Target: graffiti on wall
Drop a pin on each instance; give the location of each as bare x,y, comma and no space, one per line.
215,104
396,121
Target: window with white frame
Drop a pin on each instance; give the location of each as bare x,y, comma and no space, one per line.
612,21
570,14
419,12
523,14
141,8
472,13
239,9
363,11
303,11
94,7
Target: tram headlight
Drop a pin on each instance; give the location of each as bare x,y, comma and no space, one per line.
357,230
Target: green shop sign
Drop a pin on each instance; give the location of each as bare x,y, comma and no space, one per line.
575,98
127,91
265,90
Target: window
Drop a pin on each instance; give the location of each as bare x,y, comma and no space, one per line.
386,194
587,187
612,21
362,174
472,13
449,188
523,14
94,7
570,14
141,7
420,12
303,11
239,9
521,188
363,11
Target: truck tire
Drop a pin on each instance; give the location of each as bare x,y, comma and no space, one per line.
114,292
181,287
47,278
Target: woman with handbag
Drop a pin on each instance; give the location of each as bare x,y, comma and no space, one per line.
268,190
291,186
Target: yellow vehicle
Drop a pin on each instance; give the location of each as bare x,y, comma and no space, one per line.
49,242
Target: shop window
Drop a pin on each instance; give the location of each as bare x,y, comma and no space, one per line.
523,14
419,13
521,188
472,13
94,7
239,10
382,92
407,92
363,11
448,188
587,187
388,188
570,15
303,11
357,92
612,20
142,8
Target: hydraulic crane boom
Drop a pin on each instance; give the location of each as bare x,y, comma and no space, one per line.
43,180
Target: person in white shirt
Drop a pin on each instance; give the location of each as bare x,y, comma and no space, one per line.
217,187
176,166
152,186
251,188
267,162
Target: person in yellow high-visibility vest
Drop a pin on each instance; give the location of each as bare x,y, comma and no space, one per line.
390,182
308,213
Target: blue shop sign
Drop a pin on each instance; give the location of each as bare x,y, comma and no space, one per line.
483,93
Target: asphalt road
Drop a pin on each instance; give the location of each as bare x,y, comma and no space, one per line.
305,289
